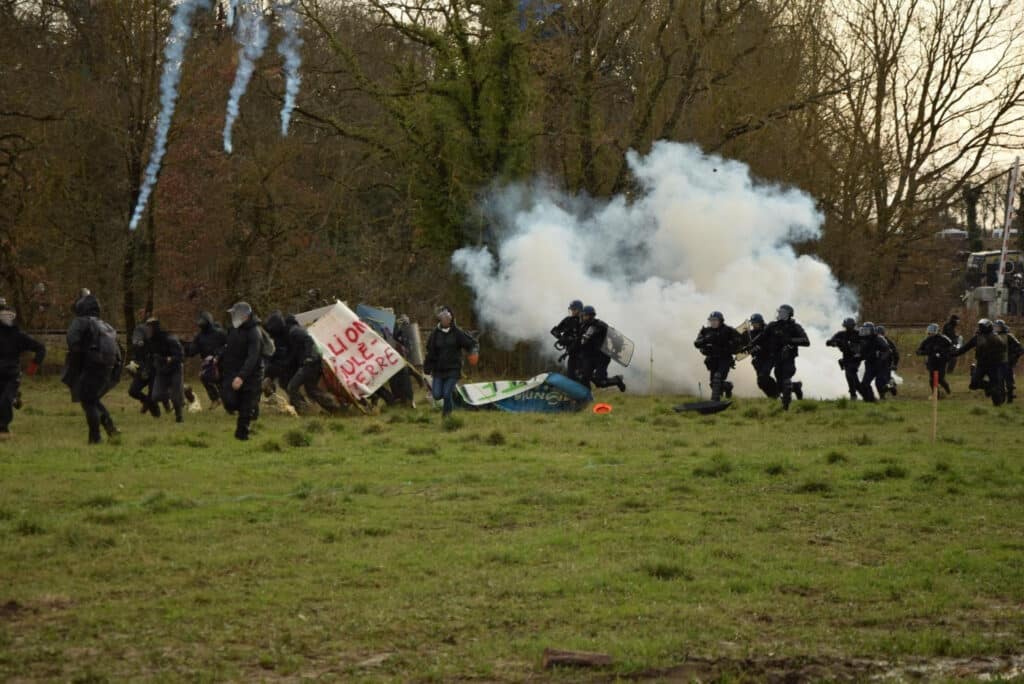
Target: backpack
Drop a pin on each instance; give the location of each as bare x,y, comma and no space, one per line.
267,346
104,350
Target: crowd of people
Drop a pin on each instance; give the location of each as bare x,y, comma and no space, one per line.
254,356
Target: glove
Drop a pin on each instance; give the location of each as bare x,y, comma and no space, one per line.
33,368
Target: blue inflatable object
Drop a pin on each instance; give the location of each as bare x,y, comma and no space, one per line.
547,393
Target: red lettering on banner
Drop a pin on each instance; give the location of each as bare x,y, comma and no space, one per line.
336,346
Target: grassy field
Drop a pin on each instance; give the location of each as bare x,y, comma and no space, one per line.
398,548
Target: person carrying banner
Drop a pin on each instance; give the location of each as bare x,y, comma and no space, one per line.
305,358
444,358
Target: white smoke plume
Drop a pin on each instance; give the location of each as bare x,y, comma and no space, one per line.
288,48
700,236
174,54
229,17
252,36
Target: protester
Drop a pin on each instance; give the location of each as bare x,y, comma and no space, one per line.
241,368
93,364
207,345
13,343
444,358
167,356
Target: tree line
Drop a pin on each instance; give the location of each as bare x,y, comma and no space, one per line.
889,112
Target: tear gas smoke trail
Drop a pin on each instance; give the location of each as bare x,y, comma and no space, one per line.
252,34
289,50
174,53
230,14
701,235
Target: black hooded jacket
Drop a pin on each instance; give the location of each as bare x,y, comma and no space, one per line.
13,343
444,350
210,339
167,350
241,357
302,348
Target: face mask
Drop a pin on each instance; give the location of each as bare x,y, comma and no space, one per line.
7,318
237,319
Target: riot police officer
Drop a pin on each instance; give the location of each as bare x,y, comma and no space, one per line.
936,348
593,368
566,333
989,357
754,342
784,337
847,341
718,343
1013,354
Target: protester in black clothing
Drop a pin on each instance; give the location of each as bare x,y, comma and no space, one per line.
241,368
936,348
1013,354
207,345
847,341
93,364
13,343
401,382
593,362
718,343
167,356
566,335
949,329
305,358
444,358
141,369
989,357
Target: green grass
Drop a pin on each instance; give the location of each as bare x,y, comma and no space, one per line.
428,550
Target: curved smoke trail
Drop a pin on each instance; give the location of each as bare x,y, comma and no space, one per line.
174,53
288,48
701,235
252,34
230,14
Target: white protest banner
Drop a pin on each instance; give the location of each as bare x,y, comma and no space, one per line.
359,357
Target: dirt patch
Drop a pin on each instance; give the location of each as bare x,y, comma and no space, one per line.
11,610
799,670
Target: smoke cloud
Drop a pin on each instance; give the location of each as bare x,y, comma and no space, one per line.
174,54
288,48
252,35
700,235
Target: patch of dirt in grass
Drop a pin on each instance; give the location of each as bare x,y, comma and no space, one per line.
807,669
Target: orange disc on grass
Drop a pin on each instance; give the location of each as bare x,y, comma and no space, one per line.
602,409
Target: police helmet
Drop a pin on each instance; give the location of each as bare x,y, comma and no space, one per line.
1001,325
984,325
880,329
575,305
867,329
716,315
849,323
933,329
589,311
785,312
757,318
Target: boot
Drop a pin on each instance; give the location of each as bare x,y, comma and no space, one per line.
108,424
727,387
621,384
178,417
798,390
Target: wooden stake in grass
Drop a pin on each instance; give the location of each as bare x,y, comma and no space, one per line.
935,405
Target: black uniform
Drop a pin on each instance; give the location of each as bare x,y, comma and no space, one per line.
305,357
762,361
241,359
89,372
207,345
782,339
883,377
401,382
877,355
593,363
141,387
848,342
718,346
13,343
168,356
949,330
937,349
990,356
280,367
566,334
1013,353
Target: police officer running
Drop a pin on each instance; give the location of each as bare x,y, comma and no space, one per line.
847,341
1013,354
937,349
718,343
593,363
990,357
784,337
754,342
566,334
